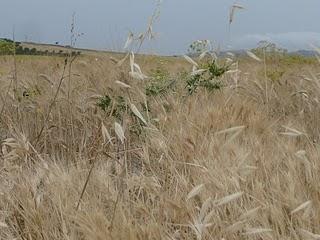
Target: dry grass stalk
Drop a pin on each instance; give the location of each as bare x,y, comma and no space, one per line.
233,10
253,56
136,112
302,206
119,132
195,191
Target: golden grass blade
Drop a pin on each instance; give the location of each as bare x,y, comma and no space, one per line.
3,225
105,134
197,72
4,150
234,130
254,231
238,6
232,137
301,154
230,130
138,76
191,61
202,55
129,40
122,84
253,56
114,60
119,132
291,132
204,209
132,61
195,191
229,199
47,78
309,235
233,8
235,227
120,62
249,214
229,61
136,112
303,206
137,68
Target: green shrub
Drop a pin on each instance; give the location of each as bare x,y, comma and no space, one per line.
104,103
115,106
160,82
6,47
209,78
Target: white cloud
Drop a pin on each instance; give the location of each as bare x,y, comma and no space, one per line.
289,40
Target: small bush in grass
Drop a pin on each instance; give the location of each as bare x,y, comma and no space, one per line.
160,82
104,103
209,78
114,106
6,47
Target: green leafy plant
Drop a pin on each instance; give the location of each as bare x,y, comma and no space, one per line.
114,106
209,77
117,107
9,47
160,82
6,47
104,103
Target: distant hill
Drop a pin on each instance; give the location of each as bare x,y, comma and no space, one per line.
306,53
63,49
242,52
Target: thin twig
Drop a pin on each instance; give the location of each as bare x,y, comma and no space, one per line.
87,181
15,74
114,211
53,101
85,185
5,98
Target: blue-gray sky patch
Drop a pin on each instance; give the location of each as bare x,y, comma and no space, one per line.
105,23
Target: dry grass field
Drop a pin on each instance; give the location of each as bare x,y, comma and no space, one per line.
90,152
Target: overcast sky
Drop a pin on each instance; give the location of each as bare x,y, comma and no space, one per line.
293,24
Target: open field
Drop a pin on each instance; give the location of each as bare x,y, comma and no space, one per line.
89,152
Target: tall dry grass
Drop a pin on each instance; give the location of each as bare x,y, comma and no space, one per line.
240,163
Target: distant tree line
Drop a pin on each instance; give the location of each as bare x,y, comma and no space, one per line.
9,47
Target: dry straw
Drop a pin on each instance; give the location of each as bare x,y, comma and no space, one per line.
233,10
301,207
229,198
195,191
119,132
255,231
253,56
136,112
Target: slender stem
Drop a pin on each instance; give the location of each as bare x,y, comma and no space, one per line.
53,101
85,185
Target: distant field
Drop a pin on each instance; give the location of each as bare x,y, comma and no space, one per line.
89,151
51,47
